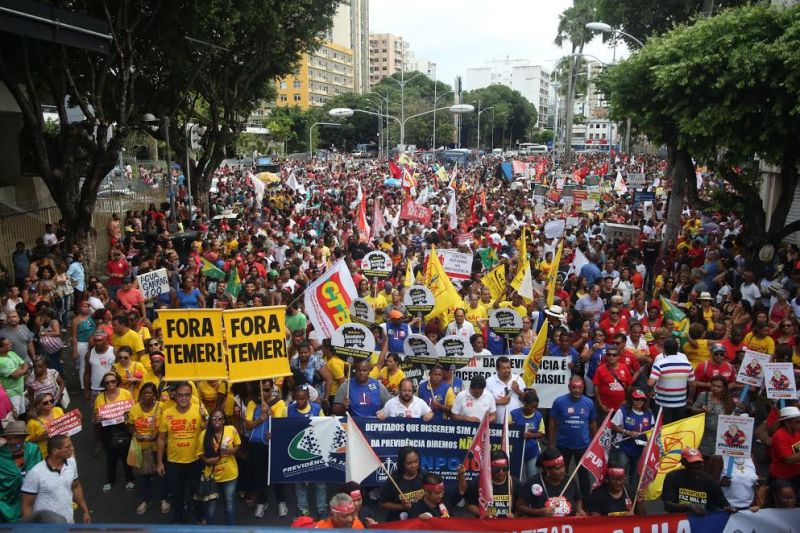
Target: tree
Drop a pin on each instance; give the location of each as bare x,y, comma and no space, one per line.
514,116
703,88
358,129
572,27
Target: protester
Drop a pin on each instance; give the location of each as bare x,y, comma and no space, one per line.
302,407
785,457
405,404
217,446
360,395
473,404
612,498
548,494
399,493
631,422
714,402
17,458
531,419
343,514
363,513
115,437
439,395
505,387
673,379
505,490
431,505
44,412
142,422
690,489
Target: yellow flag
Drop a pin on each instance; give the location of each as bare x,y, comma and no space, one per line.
405,160
409,278
439,283
552,275
495,281
522,262
685,433
442,173
531,366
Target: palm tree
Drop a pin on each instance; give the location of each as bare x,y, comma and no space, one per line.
572,27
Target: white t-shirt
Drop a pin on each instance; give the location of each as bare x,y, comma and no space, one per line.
466,330
467,405
497,388
417,409
99,365
53,489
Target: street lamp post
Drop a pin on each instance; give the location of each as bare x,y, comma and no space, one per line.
492,127
311,139
436,101
402,83
149,118
479,122
386,133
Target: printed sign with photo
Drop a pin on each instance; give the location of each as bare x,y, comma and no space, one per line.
751,371
734,436
779,381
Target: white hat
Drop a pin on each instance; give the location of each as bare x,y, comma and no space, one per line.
556,311
787,413
705,295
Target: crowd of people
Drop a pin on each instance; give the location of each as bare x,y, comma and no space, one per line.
188,449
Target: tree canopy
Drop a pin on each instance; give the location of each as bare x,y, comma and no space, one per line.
514,117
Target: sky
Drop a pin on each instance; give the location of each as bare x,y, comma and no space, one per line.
458,34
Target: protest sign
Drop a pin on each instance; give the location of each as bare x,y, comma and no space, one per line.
376,264
353,340
495,281
457,265
750,371
539,210
465,239
573,222
68,424
635,180
615,231
589,205
592,181
315,447
505,322
580,194
415,212
552,379
193,344
361,311
114,412
454,351
734,435
256,339
554,229
418,300
779,381
640,197
419,350
151,284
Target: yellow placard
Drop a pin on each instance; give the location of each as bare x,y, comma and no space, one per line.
193,347
256,340
495,281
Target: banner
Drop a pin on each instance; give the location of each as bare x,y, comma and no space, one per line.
316,452
256,339
68,424
552,379
376,264
750,371
410,210
193,344
327,300
734,435
672,523
779,381
153,283
457,265
114,412
554,229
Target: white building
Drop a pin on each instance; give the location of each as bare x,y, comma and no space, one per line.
351,30
594,131
592,104
532,81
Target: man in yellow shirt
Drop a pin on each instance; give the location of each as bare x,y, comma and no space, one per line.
125,336
335,365
759,340
178,429
476,312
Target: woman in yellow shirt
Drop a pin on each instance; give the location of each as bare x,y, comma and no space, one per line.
391,375
115,436
216,447
46,412
131,372
142,423
212,393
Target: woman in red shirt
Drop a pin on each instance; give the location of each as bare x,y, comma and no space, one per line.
611,380
785,449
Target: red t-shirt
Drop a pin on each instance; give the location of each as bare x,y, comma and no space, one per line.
130,299
611,390
784,444
629,359
707,370
731,349
612,329
116,267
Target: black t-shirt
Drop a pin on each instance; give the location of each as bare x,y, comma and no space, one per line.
422,507
537,493
412,490
606,297
684,487
602,502
500,505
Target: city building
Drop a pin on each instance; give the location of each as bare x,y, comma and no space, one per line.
323,74
532,81
351,29
594,131
414,63
592,104
387,55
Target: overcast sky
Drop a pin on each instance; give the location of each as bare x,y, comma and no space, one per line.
458,34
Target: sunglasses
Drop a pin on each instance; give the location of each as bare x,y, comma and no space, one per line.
217,418
498,469
46,402
109,381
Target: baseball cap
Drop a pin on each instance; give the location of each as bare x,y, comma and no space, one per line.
717,347
691,455
638,394
395,314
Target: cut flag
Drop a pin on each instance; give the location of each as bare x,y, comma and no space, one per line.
441,173
686,433
445,294
619,185
680,324
327,300
452,210
361,216
378,220
480,452
395,171
360,459
523,280
534,357
595,458
651,458
409,277
210,271
234,285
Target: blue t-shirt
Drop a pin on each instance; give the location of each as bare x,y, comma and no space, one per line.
531,423
396,335
365,400
573,418
590,272
496,344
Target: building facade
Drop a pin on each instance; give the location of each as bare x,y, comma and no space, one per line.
321,75
387,55
351,30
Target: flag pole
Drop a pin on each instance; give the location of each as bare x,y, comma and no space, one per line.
571,477
646,454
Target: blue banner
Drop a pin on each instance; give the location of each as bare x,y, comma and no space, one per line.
313,449
643,196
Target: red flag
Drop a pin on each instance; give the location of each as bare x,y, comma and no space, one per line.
378,221
651,458
361,217
596,457
480,451
473,217
395,171
604,169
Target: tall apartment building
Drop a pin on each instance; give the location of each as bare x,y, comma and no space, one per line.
351,29
592,104
418,64
323,74
387,55
532,81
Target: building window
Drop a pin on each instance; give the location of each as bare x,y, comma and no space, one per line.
296,97
297,84
283,84
283,98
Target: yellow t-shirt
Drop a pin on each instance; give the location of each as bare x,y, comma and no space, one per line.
765,345
38,427
100,401
149,377
208,393
145,423
277,410
182,430
699,354
521,309
473,315
135,370
144,333
377,302
227,469
131,339
336,367
391,382
230,246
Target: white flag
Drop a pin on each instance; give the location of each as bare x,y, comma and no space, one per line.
360,458
526,285
452,211
577,262
619,184
327,300
292,182
359,196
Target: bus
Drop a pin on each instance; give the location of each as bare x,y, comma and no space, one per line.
459,156
532,149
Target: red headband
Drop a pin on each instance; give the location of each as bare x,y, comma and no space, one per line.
500,462
434,487
344,508
356,494
615,472
558,461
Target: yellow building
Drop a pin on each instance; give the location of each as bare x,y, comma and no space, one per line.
323,74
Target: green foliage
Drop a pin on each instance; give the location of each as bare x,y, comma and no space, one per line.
514,116
542,136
